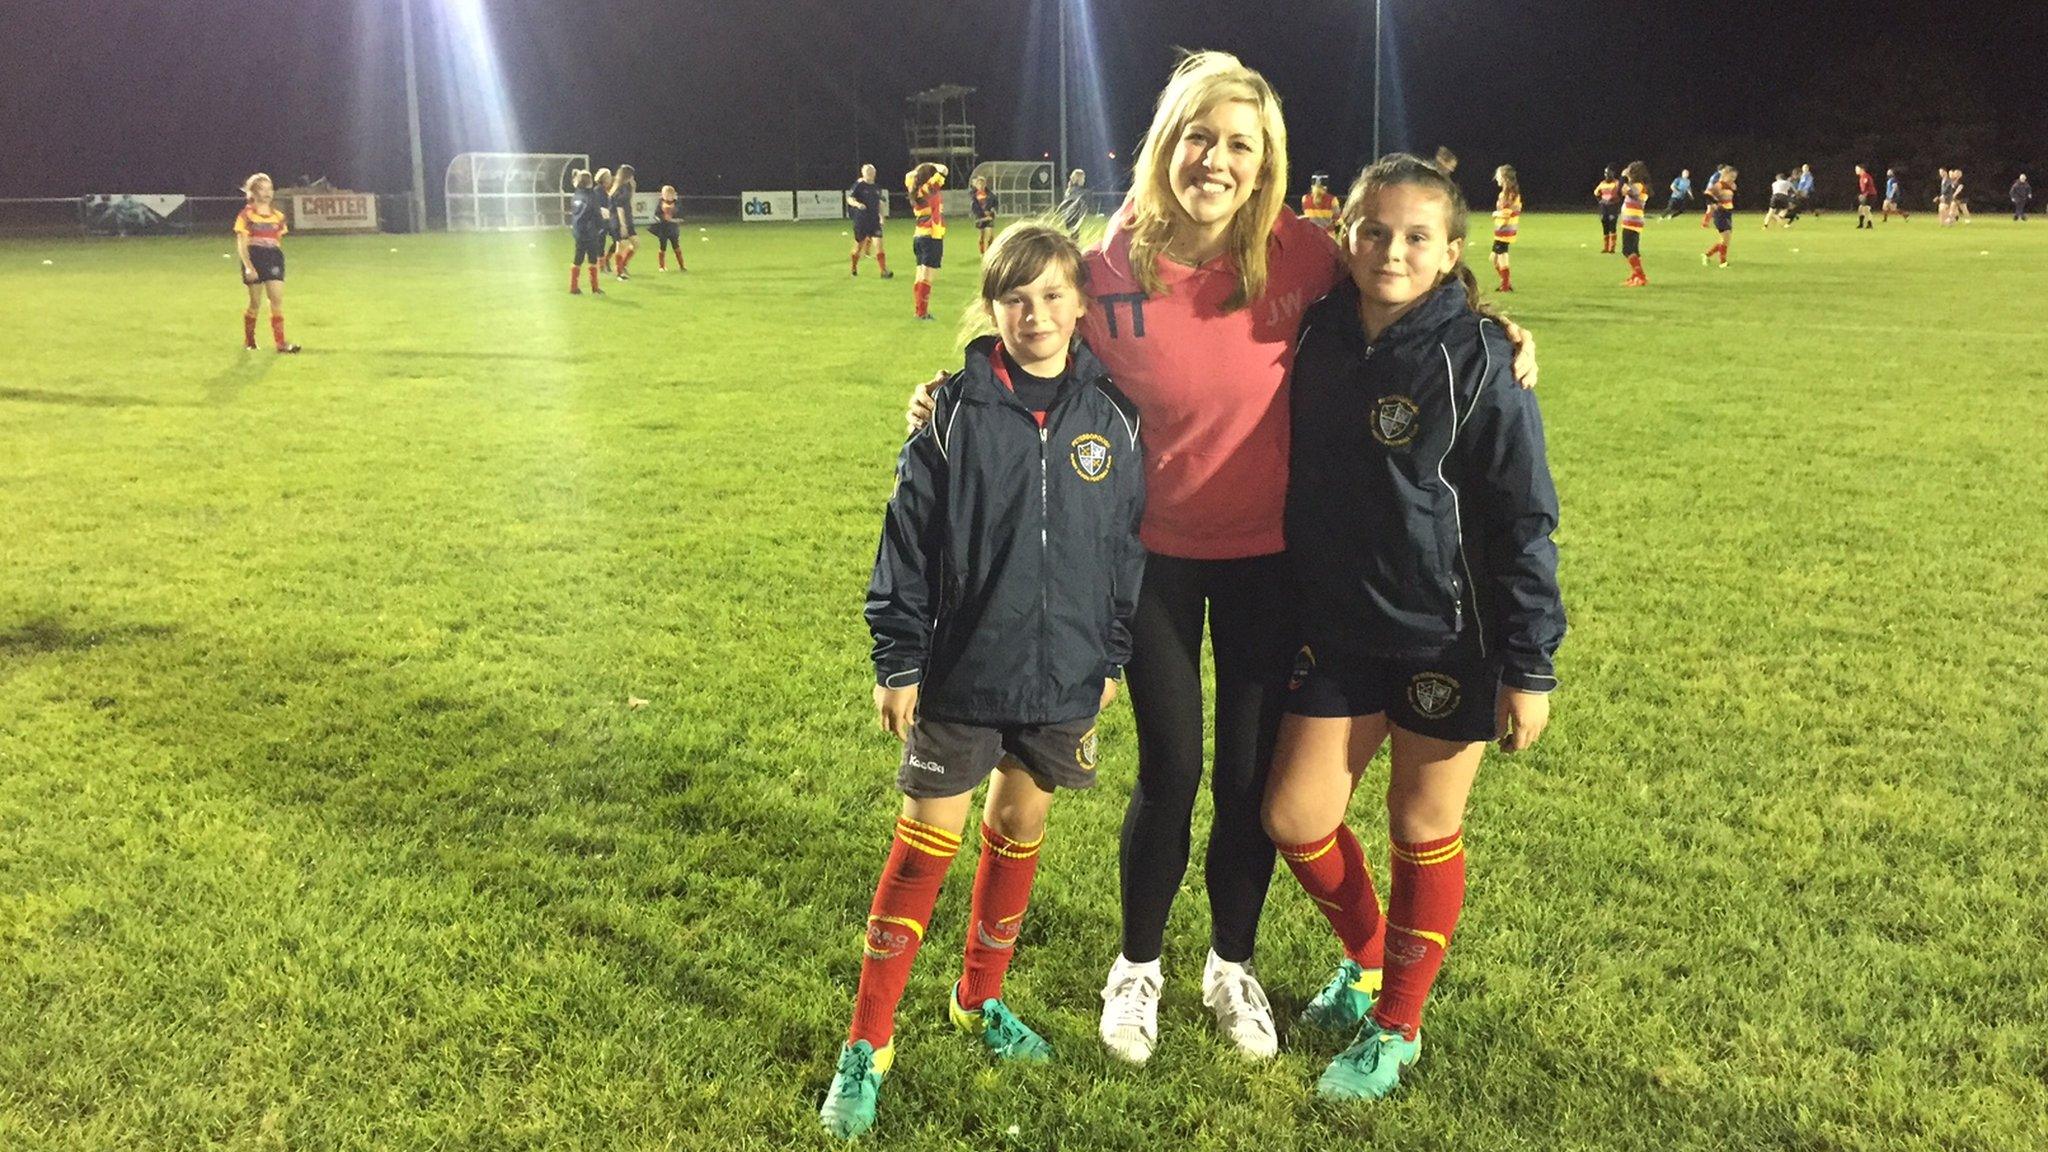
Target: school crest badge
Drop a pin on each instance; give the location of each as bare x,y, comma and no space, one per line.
1090,457
1394,420
1433,695
1084,751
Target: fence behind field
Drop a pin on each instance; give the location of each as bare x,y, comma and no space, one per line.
172,214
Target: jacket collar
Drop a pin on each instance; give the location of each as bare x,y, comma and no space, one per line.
1442,305
978,382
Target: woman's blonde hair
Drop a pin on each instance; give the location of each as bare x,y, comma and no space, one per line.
1017,257
623,178
249,185
1200,83
581,179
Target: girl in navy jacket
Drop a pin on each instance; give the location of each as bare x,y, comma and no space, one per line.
1419,514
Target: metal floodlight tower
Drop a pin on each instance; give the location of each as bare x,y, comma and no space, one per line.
1065,167
1375,79
412,120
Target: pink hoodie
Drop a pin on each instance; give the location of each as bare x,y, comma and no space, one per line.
1211,385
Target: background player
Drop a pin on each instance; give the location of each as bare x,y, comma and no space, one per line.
1073,206
667,227
622,219
1319,204
1866,195
1607,194
1681,193
1891,196
981,206
1721,213
865,198
1507,222
1635,196
587,225
259,232
928,243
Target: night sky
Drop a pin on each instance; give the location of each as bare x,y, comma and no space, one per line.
719,95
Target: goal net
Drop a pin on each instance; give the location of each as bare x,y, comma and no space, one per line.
501,191
1022,187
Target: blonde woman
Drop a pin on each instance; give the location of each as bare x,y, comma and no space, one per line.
259,231
1199,286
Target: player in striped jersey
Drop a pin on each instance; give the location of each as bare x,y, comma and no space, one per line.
1607,194
259,229
1721,198
925,183
1507,221
1635,196
1319,204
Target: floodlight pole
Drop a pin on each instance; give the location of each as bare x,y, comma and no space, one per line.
412,121
1375,79
1065,168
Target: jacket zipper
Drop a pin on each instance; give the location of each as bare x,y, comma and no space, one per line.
1044,551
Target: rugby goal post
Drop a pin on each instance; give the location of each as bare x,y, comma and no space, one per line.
1021,187
509,191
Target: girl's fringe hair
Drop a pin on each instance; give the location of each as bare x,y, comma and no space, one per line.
249,185
1017,257
1401,169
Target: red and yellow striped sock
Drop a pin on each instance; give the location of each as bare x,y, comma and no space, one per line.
918,858
921,296
277,327
1422,913
1333,872
1002,891
249,328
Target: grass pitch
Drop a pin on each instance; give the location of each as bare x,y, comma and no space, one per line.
331,816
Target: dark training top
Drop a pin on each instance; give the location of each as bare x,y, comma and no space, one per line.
870,197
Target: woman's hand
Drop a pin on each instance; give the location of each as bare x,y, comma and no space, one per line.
897,708
919,413
1520,718
1525,352
248,273
1108,695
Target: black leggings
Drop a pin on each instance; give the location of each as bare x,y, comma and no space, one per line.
1252,635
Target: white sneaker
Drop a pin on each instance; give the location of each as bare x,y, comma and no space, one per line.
1242,1011
1130,1009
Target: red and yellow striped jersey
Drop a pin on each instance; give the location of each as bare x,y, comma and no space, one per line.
928,206
1724,195
1607,191
264,229
1507,216
1321,209
1633,197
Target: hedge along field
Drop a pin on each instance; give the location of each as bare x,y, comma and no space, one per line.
458,735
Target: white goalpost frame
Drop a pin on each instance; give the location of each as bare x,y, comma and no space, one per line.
543,202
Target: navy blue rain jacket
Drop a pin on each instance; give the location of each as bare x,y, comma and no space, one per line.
1008,569
1419,500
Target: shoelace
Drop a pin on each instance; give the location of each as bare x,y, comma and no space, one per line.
856,1063
1132,1011
1241,993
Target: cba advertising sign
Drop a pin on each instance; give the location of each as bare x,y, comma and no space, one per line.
133,214
335,212
756,206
